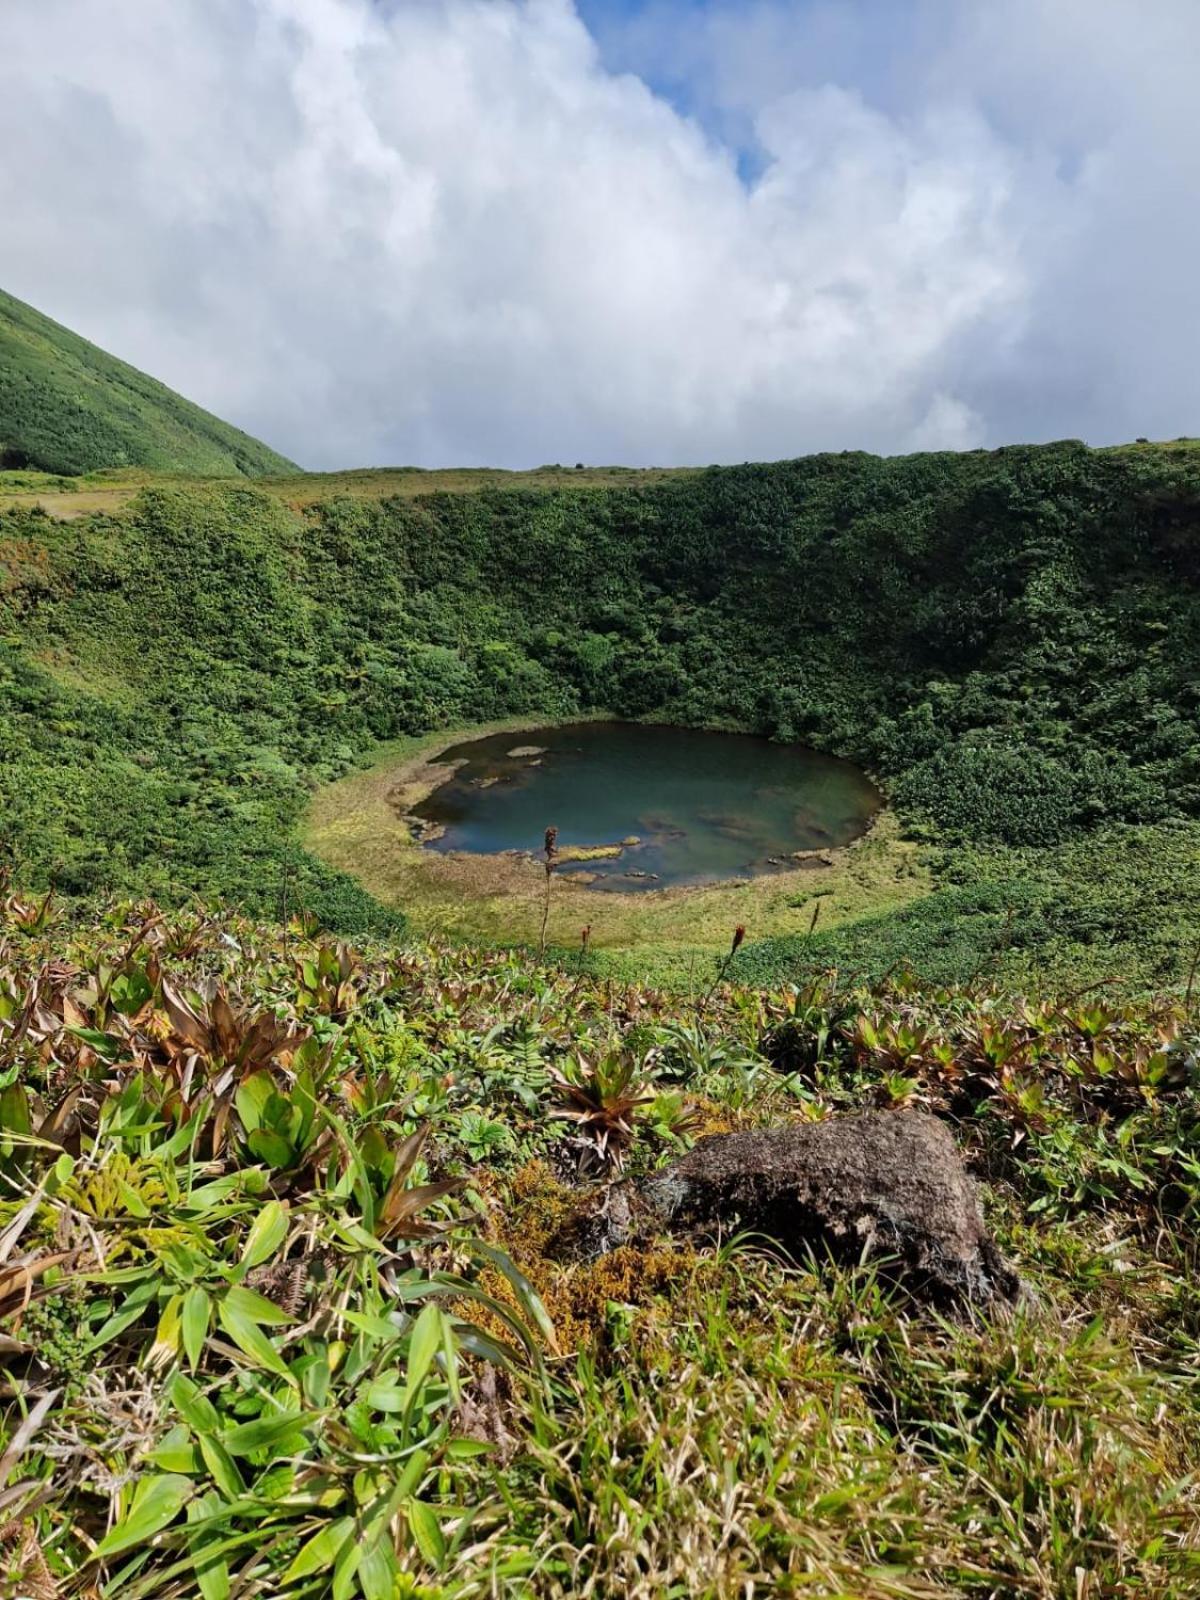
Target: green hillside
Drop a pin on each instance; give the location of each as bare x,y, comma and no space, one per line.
68,407
1009,640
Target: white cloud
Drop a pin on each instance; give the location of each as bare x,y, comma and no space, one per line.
445,231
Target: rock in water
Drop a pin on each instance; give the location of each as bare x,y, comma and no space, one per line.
883,1183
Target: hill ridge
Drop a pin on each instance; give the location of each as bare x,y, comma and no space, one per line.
68,406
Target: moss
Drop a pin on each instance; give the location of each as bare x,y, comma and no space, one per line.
578,1296
539,1205
709,1116
581,1297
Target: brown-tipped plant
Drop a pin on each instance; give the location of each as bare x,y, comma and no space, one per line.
601,1097
550,851
325,981
27,915
400,1213
735,944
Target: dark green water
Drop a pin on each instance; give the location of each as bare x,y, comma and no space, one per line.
705,806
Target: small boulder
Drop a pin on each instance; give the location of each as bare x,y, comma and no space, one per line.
886,1184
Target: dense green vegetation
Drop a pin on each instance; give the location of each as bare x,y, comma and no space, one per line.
249,1351
1009,640
280,1312
68,407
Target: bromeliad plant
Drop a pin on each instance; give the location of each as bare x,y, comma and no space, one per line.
601,1096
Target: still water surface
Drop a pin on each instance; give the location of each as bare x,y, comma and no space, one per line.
703,806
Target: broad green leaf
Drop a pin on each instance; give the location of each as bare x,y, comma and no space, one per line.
197,1311
176,1452
280,1115
141,1276
221,1467
129,991
156,1503
256,1306
355,1234
106,1045
271,1147
251,1340
194,1407
423,1348
251,1096
261,1434
426,1532
135,1304
321,1551
183,1138
374,1327
357,1358
415,1468
467,1449
315,1378
212,1570
345,1569
377,1570
450,1359
249,1180
387,1394
266,1235
133,1201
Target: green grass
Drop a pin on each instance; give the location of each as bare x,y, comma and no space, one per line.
1115,906
245,1352
67,407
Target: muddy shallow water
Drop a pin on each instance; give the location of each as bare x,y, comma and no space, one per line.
667,805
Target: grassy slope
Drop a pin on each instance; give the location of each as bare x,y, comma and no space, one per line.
112,490
236,1389
68,407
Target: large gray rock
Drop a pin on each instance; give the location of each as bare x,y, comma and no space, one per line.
880,1184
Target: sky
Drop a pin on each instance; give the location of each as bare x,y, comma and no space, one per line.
513,232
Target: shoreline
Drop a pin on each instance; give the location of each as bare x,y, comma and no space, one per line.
357,825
